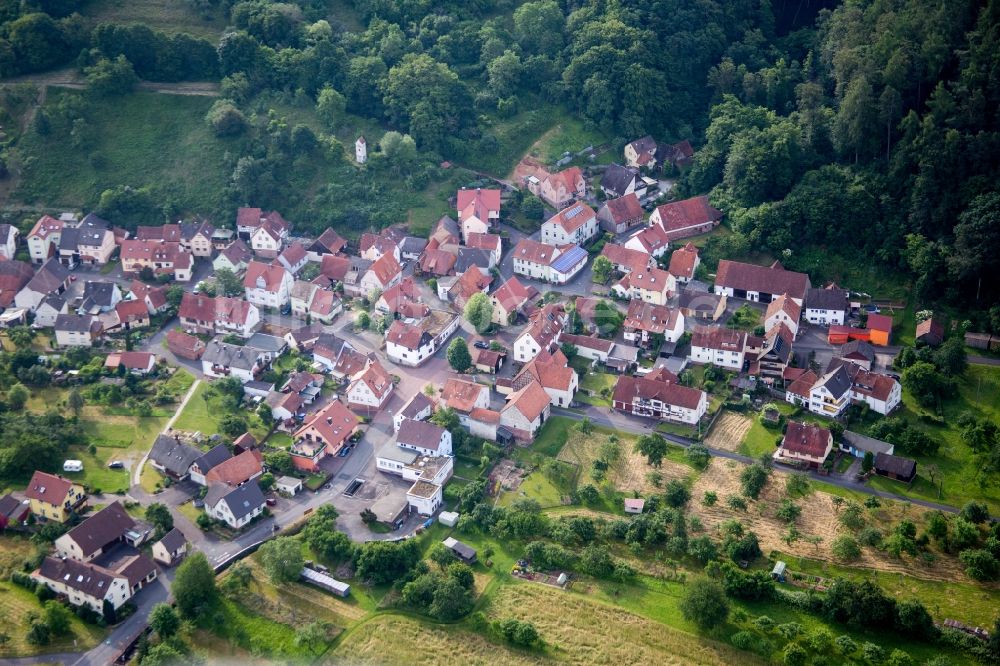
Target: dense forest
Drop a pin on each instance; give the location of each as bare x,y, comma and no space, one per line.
868,127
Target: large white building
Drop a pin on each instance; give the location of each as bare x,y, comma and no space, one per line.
548,263
267,285
424,437
576,223
719,346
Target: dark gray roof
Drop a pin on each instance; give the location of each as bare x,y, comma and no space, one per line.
50,277
92,221
858,348
68,239
173,540
471,256
865,443
903,467
87,578
837,382
74,322
412,245
617,178
417,404
54,301
266,343
230,356
106,526
827,299
173,455
216,455
98,293
448,224
11,506
241,500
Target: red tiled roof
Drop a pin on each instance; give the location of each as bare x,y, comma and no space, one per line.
535,252
803,384
931,327
472,281
132,360
879,322
669,392
461,395
331,240
335,267
652,239
376,377
678,215
437,262
806,439
477,202
482,241
134,310
551,370
717,337
484,415
248,217
545,324
773,279
405,335
294,253
648,317
650,279
386,268
48,488
511,294
787,305
573,217
334,423
45,226
568,178
238,469
273,276
588,342
624,208
682,261
186,345
634,260
531,401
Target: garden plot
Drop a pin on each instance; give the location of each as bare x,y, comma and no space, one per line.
728,432
628,473
819,519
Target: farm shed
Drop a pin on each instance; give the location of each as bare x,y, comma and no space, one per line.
328,583
448,518
460,550
778,572
895,467
634,505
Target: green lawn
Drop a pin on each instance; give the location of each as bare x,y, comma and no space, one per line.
535,486
552,436
569,134
95,474
165,15
203,414
596,382
15,605
254,632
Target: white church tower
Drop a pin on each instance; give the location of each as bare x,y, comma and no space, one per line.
361,150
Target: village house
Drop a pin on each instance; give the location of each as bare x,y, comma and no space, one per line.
98,297
761,284
437,262
859,353
805,443
208,461
301,297
545,326
799,383
403,299
589,347
90,243
99,533
465,398
198,238
14,275
652,285
375,246
14,512
524,413
237,470
548,263
478,210
831,394
682,219
470,283
881,393
370,389
488,360
617,216
649,154
328,351
473,257
646,322
329,242
510,299
895,467
722,347
424,437
43,239
325,306
381,275
293,258
132,314
8,241
249,219
491,243
74,330
51,279
419,408
135,362
701,304
236,257
53,497
171,548
783,310
155,297
84,584
172,457
618,181
221,359
553,373
410,249
771,358
827,306
235,507
413,343
560,189
323,435
446,235
218,315
930,332
184,345
576,223
267,286
684,263
651,240
49,309
161,257
626,260
660,396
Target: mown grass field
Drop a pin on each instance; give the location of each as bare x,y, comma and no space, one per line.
16,603
202,414
165,15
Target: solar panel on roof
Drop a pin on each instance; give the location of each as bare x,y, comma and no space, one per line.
573,212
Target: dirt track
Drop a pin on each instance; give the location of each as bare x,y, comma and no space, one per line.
71,78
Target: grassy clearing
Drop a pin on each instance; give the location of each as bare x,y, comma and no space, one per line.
570,134
255,632
535,486
95,474
552,436
165,15
15,605
141,139
596,382
203,414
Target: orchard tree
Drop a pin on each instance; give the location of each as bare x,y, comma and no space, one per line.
160,517
479,311
282,559
17,396
654,447
704,603
228,283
